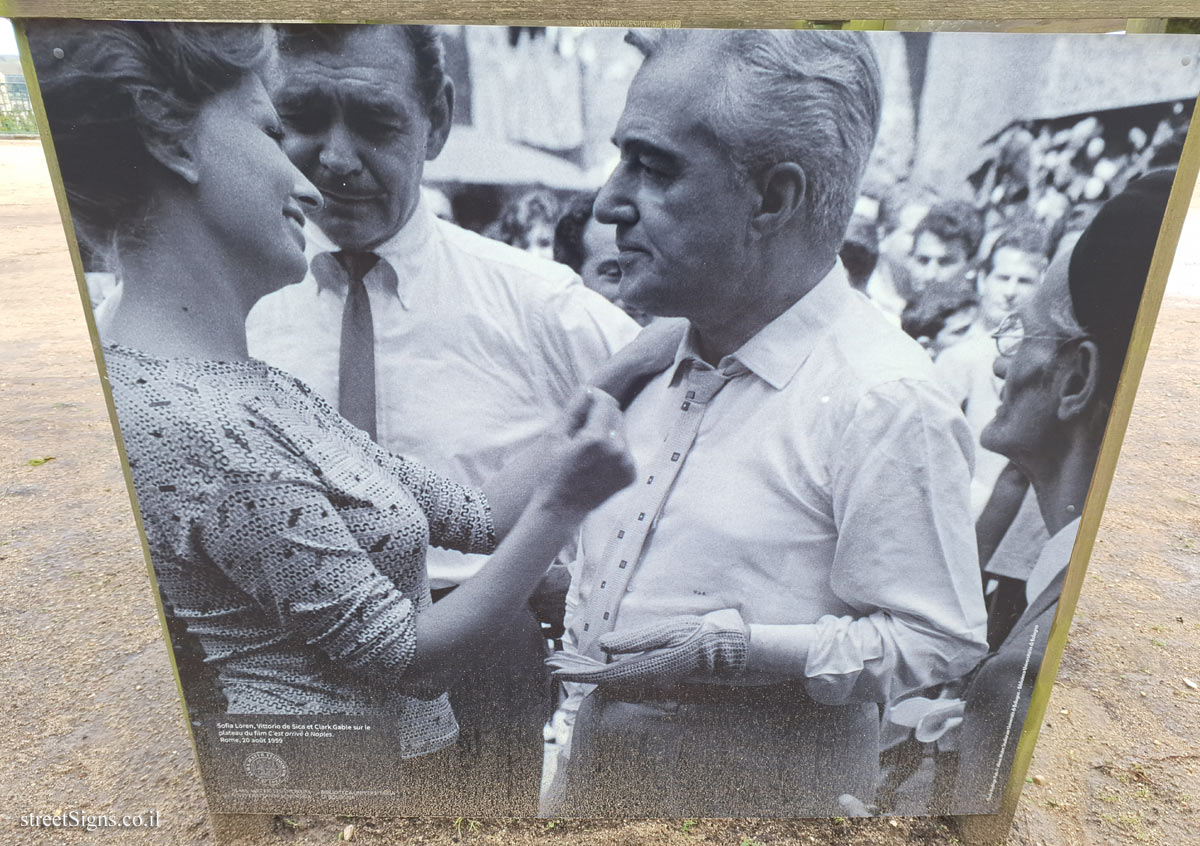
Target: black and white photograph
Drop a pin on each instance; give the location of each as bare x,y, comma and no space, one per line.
589,422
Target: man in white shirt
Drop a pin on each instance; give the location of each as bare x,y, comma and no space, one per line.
1007,279
799,547
1010,273
445,346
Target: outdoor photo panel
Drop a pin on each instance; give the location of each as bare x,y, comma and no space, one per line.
836,599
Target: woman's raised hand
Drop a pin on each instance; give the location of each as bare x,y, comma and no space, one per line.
590,460
650,353
538,501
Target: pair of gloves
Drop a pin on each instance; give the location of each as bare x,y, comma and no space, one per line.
660,654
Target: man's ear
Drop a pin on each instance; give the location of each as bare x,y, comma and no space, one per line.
1077,379
177,154
783,188
440,118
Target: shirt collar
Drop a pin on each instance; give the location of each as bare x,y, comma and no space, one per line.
776,352
404,250
1055,557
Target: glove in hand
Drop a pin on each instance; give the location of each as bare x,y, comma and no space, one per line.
663,653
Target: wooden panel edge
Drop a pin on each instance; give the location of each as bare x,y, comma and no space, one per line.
60,196
992,829
689,12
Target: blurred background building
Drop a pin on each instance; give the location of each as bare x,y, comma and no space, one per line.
16,110
1045,120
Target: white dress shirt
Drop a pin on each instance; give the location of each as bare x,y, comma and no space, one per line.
826,489
476,350
881,290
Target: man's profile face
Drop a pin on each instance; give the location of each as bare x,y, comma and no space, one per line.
356,126
895,247
1025,417
681,209
601,268
1010,283
936,262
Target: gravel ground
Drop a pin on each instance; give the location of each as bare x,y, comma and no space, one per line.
90,719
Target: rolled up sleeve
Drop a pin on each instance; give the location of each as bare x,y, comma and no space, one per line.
906,555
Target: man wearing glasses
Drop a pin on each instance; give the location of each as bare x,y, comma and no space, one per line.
1060,356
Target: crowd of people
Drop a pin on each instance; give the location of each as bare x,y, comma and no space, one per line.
769,525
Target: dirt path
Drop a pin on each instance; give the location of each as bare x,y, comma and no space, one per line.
90,720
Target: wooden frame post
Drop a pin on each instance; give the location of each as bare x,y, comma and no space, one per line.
1140,16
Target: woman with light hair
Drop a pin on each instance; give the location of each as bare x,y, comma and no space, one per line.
287,543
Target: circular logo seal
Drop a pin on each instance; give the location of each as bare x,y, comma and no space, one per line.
266,767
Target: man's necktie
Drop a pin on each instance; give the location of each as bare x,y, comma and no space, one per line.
598,613
356,365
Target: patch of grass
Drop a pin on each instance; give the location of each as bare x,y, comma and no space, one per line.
470,825
1110,798
1133,822
20,122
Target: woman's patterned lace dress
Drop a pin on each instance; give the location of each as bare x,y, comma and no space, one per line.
289,544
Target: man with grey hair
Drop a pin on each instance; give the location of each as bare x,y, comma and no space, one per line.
800,546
